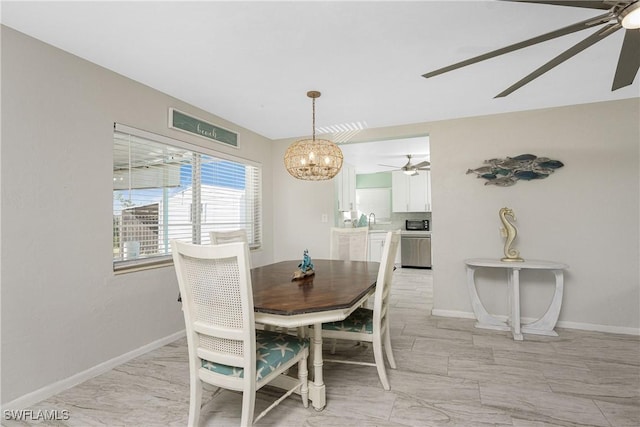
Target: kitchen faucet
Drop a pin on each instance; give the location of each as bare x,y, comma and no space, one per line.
374,218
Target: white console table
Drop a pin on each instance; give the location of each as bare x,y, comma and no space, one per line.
542,326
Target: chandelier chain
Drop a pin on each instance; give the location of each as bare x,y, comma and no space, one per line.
313,115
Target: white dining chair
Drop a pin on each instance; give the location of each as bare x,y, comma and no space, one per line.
220,237
350,244
225,349
372,325
233,236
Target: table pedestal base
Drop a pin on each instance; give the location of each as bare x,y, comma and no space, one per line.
317,392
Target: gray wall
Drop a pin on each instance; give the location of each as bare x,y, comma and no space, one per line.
63,309
585,214
299,206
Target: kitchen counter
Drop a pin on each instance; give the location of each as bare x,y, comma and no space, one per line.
403,232
416,233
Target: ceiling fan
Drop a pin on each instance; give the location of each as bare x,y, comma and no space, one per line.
410,168
620,14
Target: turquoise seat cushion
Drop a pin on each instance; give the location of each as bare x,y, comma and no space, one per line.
273,349
361,320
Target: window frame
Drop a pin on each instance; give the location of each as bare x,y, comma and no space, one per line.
157,261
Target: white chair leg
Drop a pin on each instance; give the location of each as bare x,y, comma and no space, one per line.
248,405
195,400
382,373
388,349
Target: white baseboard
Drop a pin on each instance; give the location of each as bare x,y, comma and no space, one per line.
561,324
46,392
452,313
598,328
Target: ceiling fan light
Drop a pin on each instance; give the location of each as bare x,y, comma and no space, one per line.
410,172
630,16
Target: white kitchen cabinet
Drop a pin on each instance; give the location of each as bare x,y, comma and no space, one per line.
376,244
427,186
399,192
419,199
345,183
411,193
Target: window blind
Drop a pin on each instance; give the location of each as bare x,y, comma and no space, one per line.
167,189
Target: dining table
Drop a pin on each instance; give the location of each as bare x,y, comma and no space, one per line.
331,294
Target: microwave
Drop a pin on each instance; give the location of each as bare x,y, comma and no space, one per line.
417,224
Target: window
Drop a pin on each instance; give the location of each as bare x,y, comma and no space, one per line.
166,189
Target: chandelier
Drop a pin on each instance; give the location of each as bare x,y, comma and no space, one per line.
313,159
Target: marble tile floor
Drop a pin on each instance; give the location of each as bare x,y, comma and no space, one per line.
449,374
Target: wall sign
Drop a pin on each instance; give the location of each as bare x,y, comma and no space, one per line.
506,172
181,121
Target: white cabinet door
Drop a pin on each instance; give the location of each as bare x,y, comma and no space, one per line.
376,243
346,188
417,200
427,184
350,190
411,193
399,192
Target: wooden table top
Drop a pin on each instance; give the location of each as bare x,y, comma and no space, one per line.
337,284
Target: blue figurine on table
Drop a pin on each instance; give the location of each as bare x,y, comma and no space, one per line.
305,268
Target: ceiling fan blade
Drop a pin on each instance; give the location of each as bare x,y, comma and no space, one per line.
629,60
589,4
389,166
598,20
589,41
421,164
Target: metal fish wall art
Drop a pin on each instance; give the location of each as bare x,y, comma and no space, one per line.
506,172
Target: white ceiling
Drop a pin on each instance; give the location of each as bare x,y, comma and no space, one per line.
253,62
